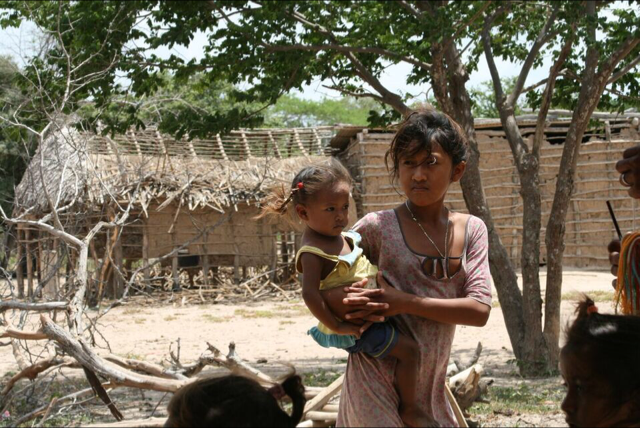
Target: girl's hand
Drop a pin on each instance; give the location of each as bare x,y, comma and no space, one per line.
387,300
336,300
614,259
348,329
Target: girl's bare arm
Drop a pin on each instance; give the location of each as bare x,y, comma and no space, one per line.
312,268
462,311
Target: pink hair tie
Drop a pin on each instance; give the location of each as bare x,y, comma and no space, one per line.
300,185
593,309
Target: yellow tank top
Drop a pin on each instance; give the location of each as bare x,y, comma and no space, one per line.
350,268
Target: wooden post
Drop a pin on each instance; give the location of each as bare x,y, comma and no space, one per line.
94,279
298,141
284,251
49,260
118,281
109,243
145,257
41,263
236,253
221,147
27,233
245,145
274,253
19,264
56,275
318,143
175,273
276,149
205,260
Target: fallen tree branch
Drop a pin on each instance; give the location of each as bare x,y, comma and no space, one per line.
145,367
22,335
87,358
33,307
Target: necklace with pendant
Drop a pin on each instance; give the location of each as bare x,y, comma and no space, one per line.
444,258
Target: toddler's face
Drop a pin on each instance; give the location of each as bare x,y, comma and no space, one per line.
590,400
328,212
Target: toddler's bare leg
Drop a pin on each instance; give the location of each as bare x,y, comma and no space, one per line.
407,353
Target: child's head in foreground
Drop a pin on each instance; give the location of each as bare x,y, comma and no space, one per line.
235,401
319,195
427,154
600,365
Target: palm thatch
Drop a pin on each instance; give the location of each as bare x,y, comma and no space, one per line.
145,167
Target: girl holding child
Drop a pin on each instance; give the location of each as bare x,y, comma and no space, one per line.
433,275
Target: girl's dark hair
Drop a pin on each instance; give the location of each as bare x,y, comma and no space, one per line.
420,131
612,342
234,401
308,182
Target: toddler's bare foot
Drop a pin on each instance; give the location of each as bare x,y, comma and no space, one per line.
413,416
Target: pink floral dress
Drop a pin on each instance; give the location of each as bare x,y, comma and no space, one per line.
369,397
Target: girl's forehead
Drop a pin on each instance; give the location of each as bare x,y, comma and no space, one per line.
334,190
417,149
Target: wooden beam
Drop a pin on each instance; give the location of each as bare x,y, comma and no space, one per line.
323,398
146,273
19,270
132,135
273,142
316,148
221,147
298,141
118,280
205,260
245,145
29,264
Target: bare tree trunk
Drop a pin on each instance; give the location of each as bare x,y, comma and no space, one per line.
589,95
595,78
502,270
535,359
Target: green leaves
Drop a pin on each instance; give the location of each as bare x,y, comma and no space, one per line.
271,48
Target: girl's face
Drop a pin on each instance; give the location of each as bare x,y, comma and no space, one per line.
591,401
328,211
426,177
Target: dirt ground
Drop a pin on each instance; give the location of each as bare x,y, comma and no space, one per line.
266,332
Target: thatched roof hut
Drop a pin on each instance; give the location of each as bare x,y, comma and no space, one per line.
88,169
177,190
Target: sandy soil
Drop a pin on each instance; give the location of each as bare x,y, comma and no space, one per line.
276,331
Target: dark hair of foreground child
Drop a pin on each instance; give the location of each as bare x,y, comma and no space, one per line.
601,368
235,401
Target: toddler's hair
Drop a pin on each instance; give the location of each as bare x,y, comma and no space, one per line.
234,401
305,185
420,131
612,342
